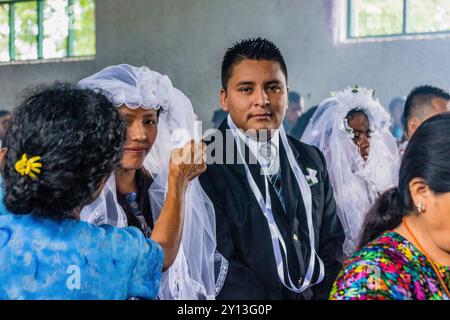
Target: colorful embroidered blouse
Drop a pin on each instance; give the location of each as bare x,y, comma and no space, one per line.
390,268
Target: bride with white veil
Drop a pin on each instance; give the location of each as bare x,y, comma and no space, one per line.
359,171
197,265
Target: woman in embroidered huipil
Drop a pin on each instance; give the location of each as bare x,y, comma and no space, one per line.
405,245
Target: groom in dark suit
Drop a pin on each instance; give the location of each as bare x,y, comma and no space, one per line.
276,218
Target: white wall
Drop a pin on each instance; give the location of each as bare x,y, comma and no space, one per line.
14,78
186,40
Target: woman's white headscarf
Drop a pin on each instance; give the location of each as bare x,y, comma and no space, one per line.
357,183
192,274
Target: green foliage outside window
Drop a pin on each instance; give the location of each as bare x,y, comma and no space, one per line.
46,29
4,33
429,16
372,18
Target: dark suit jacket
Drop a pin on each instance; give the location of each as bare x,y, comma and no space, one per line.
243,236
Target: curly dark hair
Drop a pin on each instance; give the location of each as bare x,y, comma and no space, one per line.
79,136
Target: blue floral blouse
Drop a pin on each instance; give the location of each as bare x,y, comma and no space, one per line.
47,259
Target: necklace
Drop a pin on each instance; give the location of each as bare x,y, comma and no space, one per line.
435,268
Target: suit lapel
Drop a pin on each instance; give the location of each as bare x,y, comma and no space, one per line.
295,208
297,156
297,204
234,166
290,190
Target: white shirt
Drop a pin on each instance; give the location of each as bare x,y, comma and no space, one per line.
269,165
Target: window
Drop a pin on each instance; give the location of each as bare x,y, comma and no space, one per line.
46,29
379,18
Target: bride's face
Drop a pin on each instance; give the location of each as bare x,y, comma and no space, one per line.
361,129
141,134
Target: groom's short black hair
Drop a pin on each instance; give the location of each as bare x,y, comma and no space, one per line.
251,49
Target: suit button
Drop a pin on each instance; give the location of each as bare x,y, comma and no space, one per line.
300,281
295,237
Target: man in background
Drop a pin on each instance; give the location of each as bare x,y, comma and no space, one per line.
302,123
218,117
421,104
294,111
396,108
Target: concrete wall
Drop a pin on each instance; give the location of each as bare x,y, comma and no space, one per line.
186,40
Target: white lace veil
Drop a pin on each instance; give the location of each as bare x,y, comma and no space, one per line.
356,183
192,275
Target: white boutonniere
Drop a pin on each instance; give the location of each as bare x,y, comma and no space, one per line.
311,177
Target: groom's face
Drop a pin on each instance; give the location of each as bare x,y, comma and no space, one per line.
256,95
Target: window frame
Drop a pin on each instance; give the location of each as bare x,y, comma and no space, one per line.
40,35
406,6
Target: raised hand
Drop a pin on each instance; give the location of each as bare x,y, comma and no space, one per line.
188,162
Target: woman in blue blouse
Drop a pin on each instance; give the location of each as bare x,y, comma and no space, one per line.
62,145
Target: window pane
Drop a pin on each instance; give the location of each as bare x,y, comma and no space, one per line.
376,17
84,27
26,30
4,32
429,16
56,26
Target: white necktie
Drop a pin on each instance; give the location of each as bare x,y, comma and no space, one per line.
272,169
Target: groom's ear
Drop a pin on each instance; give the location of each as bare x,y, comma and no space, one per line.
223,100
3,152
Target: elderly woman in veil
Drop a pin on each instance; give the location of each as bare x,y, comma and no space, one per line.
352,130
159,118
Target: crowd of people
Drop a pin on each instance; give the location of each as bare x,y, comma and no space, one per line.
108,191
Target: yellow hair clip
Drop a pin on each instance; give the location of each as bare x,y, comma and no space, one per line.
29,167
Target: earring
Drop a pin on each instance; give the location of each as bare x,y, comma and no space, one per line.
420,207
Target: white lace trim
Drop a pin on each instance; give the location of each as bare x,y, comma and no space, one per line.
131,86
222,273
